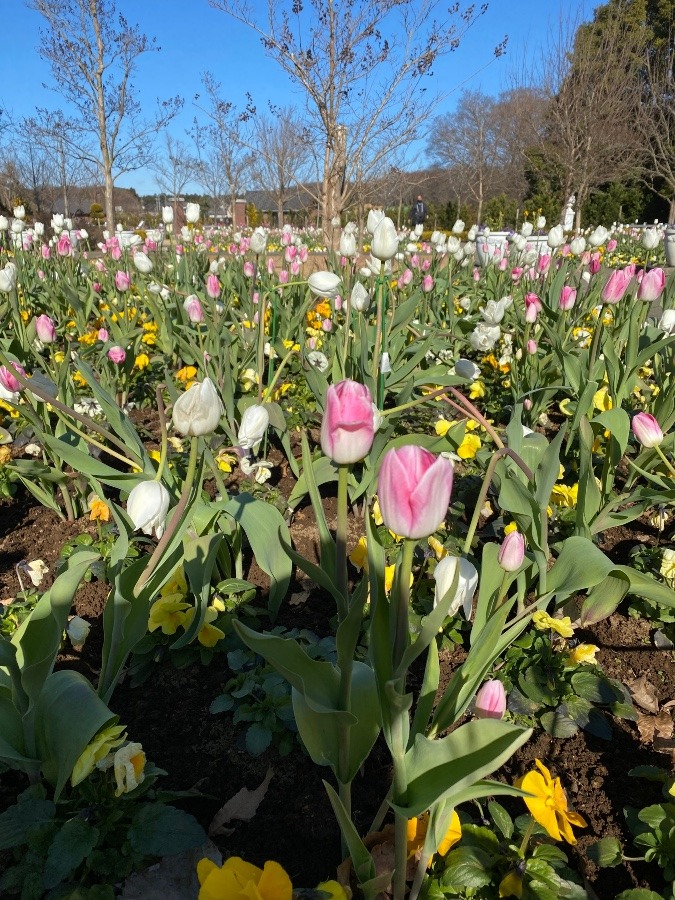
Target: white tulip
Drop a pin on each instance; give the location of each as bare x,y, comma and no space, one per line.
458,227
259,241
254,424
454,244
465,368
192,213
667,322
484,337
167,215
650,238
375,216
57,222
17,226
494,310
347,244
143,262
385,241
20,212
324,284
82,234
198,410
467,582
556,237
526,229
4,223
147,506
598,237
360,299
472,233
39,229
77,630
8,278
418,231
540,223
577,245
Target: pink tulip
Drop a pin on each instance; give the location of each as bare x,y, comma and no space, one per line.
532,307
426,265
611,246
290,253
46,252
213,286
502,264
44,328
630,270
116,252
64,247
295,267
303,253
512,552
427,284
594,264
568,297
103,335
543,263
270,265
414,488
531,347
415,261
327,325
347,429
122,281
516,274
616,286
405,278
117,355
193,308
490,701
283,276
646,429
652,285
476,274
7,378
286,238
249,269
337,303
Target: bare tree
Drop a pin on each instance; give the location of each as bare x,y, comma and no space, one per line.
174,168
361,65
589,77
93,53
281,155
656,126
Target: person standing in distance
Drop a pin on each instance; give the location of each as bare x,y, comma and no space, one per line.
419,212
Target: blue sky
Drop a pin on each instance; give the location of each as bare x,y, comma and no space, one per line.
194,38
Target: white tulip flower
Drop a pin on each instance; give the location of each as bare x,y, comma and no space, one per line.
324,284
254,424
467,582
143,262
259,241
360,299
598,237
375,216
192,213
385,240
198,410
147,506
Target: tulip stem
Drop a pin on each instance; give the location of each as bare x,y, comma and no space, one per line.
261,343
164,447
377,348
402,601
475,413
596,340
267,395
665,460
341,541
173,522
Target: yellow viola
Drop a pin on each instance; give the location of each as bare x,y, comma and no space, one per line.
96,751
417,831
582,655
543,622
239,880
359,555
169,614
548,805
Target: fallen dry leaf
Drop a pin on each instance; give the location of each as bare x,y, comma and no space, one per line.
652,727
644,694
299,599
243,806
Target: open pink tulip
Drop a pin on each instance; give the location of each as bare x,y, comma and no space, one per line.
512,552
652,285
490,700
193,308
647,430
212,286
414,488
532,307
348,428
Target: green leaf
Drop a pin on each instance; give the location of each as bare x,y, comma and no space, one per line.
72,844
161,830
606,852
580,565
364,867
593,687
604,598
439,769
467,867
258,739
558,724
428,691
17,822
501,818
639,894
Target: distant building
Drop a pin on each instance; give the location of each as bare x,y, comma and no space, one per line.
81,199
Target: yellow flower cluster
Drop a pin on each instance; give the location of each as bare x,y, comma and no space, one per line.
170,612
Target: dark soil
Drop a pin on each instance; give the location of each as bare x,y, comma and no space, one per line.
295,825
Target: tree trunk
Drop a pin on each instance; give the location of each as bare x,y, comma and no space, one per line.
109,204
280,211
671,211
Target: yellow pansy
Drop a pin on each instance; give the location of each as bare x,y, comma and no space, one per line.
290,345
442,427
89,338
149,339
389,572
248,379
437,547
377,515
155,455
512,526
226,461
129,765
359,555
281,390
416,833
563,406
142,361
209,634
511,885
543,622
469,446
79,379
601,399
239,880
97,750
582,655
169,614
667,569
562,495
100,511
477,390
548,806
187,373
59,356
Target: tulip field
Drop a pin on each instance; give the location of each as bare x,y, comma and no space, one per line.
340,563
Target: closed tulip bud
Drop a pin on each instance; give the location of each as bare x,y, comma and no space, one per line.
117,355
192,213
616,286
143,262
598,237
532,307
347,244
650,238
19,212
427,284
167,215
414,488
212,286
467,582
360,299
556,237
652,285
490,701
568,297
512,552
531,347
540,223
667,321
375,216
44,329
577,246
385,241
347,428
465,368
198,410
258,241
77,630
458,227
645,428
324,284
64,246
103,334
253,426
8,380
4,223
122,281
8,278
193,308
39,229
526,229
147,507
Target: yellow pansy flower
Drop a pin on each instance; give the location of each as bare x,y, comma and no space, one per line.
667,569
209,634
359,555
129,765
226,461
601,399
100,511
290,345
470,445
59,356
187,373
416,833
239,880
437,547
511,885
169,614
97,750
564,495
548,806
377,515
543,622
89,338
248,379
442,427
512,526
142,361
477,390
389,572
582,655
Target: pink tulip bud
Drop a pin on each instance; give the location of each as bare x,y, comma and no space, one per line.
426,265
646,429
490,701
415,261
616,286
249,269
290,253
652,285
270,265
327,325
303,253
103,335
516,274
117,355
283,276
213,286
8,380
295,267
476,274
531,347
527,403
543,263
532,307
512,552
40,274
502,264
286,238
44,328
611,246
64,247
414,488
427,284
568,297
594,264
46,252
337,303
122,281
116,253
347,429
193,308
405,278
